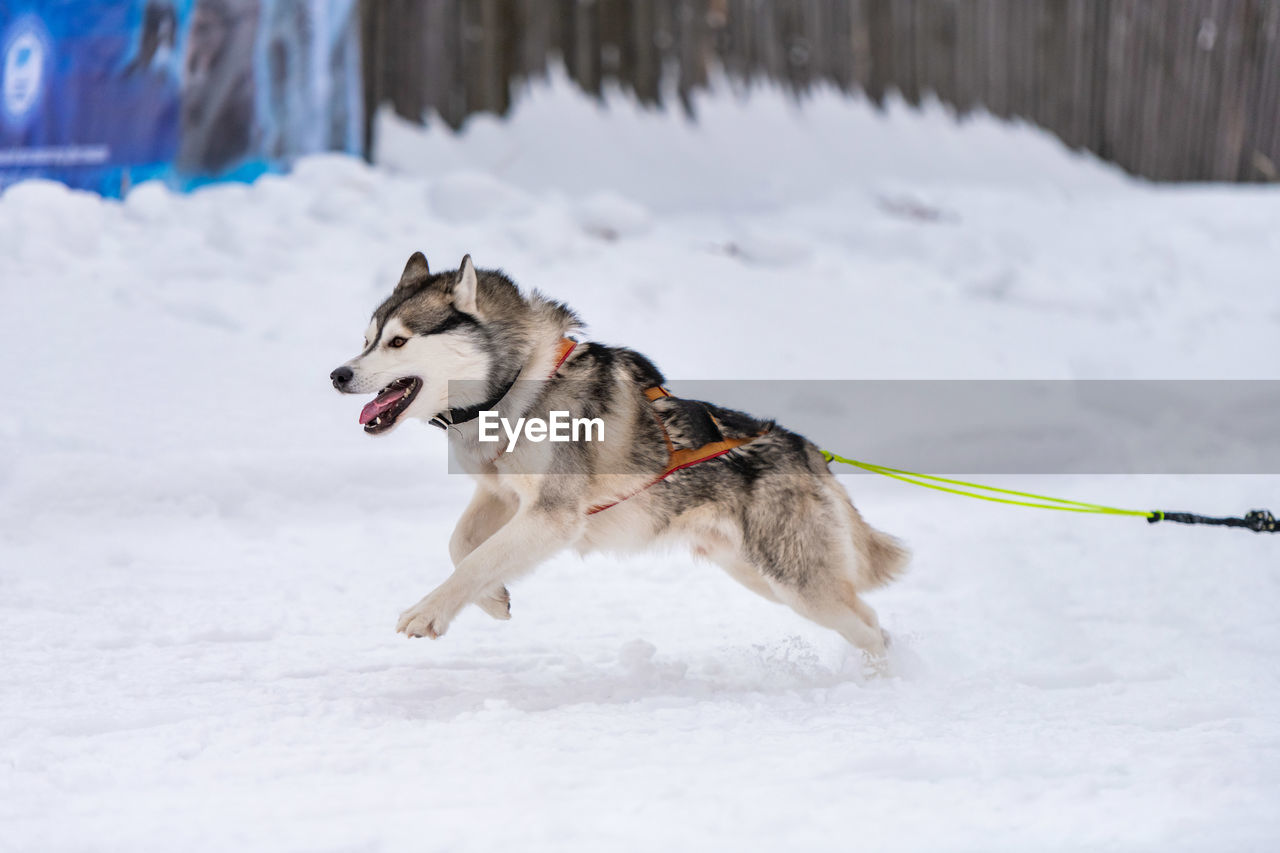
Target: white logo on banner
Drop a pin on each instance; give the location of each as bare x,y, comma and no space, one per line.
23,71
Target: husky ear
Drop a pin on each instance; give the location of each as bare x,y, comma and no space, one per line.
464,289
414,271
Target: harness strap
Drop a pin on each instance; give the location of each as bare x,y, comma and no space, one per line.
567,346
678,459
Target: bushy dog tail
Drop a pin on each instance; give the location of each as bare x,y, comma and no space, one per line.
883,559
880,557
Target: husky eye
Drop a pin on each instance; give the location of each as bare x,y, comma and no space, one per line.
397,342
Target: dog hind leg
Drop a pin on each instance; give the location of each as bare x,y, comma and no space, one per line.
717,548
820,587
818,556
837,606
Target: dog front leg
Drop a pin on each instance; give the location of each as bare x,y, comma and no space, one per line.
484,516
531,536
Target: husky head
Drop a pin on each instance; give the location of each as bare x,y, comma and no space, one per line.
432,329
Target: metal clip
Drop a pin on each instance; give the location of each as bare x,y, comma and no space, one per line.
1260,520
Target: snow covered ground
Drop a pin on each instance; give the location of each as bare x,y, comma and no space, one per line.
202,558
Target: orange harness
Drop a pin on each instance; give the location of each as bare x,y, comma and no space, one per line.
678,459
567,346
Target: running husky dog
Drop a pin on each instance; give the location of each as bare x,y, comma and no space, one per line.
744,493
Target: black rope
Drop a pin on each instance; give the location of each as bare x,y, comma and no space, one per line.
1257,520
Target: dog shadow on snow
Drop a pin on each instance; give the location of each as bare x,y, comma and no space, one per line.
543,680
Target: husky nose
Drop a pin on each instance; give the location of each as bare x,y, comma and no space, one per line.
341,377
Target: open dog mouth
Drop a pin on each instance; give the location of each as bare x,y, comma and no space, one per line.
379,415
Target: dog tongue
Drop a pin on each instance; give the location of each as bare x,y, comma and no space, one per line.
380,404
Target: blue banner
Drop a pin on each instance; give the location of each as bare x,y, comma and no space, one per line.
102,95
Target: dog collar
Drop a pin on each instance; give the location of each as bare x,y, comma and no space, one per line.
470,413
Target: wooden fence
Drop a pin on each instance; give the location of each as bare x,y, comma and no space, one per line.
1168,89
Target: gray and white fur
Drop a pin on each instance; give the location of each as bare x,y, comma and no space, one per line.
769,512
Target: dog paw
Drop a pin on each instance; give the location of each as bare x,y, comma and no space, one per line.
427,618
497,603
